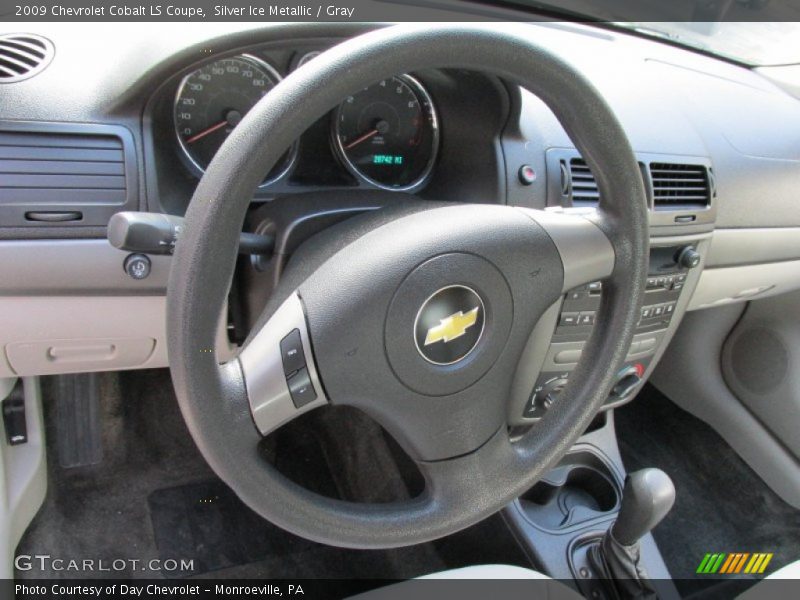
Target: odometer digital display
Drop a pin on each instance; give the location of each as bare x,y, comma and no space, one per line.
387,134
213,99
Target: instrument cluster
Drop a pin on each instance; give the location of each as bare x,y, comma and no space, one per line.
385,136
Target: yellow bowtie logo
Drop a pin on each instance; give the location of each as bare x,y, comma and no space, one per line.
452,327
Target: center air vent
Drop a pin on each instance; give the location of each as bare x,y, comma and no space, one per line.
23,55
582,183
678,186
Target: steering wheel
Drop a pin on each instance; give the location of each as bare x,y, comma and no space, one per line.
417,315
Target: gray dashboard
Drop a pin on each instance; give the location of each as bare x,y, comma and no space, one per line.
677,107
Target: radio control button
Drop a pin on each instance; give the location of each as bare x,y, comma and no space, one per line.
292,353
568,319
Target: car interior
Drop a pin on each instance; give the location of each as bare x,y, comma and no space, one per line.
369,303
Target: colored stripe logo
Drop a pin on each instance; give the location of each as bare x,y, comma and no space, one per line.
735,562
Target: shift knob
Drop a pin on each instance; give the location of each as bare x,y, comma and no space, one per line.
646,499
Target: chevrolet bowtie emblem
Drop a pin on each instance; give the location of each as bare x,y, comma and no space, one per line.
452,327
455,316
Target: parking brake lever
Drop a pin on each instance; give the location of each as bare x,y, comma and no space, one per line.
157,233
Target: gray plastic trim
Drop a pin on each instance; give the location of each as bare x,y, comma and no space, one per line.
732,247
691,376
73,267
262,367
77,322
23,478
769,386
565,355
742,283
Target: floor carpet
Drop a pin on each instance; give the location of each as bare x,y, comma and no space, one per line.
721,504
153,496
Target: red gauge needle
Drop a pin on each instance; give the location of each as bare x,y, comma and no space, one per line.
205,132
361,138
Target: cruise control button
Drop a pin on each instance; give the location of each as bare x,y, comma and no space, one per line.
301,389
292,353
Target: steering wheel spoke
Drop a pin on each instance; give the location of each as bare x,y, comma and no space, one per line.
586,252
278,367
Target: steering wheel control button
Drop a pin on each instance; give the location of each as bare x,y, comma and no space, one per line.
301,388
137,266
449,325
292,353
526,175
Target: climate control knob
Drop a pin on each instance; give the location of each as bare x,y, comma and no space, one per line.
544,397
628,379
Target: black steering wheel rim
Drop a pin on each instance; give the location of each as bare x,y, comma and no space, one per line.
213,398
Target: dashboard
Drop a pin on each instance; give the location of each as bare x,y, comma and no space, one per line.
134,129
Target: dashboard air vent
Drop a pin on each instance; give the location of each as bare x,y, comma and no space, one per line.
23,55
582,185
60,168
680,186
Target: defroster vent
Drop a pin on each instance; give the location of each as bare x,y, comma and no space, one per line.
23,55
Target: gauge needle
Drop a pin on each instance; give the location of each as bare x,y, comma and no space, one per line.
205,132
361,138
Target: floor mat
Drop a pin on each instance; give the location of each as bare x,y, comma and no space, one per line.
721,504
153,496
205,527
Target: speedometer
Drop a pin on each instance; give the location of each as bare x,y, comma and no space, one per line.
387,134
213,99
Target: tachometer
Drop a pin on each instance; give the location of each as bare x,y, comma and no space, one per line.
387,134
212,100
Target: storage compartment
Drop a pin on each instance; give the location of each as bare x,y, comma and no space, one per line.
580,489
50,357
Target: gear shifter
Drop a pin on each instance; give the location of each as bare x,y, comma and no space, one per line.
646,499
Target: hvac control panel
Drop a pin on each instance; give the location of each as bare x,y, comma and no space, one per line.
666,278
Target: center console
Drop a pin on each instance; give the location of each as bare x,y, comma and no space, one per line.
569,512
667,274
